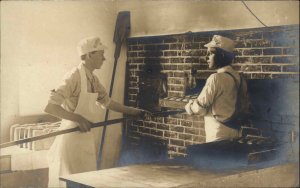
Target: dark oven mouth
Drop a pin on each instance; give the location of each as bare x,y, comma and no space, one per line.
153,93
152,87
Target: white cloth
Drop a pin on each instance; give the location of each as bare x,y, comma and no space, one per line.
90,44
216,131
68,91
221,42
218,99
75,152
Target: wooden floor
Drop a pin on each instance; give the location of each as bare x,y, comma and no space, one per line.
166,175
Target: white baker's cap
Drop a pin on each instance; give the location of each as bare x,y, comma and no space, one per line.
221,42
90,44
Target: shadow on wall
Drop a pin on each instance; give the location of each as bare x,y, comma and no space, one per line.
274,100
275,111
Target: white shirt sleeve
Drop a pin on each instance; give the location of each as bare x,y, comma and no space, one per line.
207,96
66,89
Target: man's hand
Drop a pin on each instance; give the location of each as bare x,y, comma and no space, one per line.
140,113
83,124
145,113
187,107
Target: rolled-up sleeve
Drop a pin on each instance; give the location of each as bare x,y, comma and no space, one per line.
206,98
103,98
65,89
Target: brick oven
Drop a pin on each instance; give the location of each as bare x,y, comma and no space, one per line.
164,72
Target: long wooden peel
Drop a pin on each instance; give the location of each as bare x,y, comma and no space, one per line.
60,132
122,30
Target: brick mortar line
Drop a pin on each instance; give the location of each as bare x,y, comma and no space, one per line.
169,57
151,133
180,63
175,152
171,145
198,42
267,56
167,64
132,94
177,78
170,50
149,121
204,71
240,64
199,57
248,72
204,49
176,91
133,88
185,133
178,152
269,72
155,136
151,128
212,71
177,139
177,71
176,84
271,64
140,70
271,47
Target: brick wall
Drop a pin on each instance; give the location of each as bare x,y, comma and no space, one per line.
261,53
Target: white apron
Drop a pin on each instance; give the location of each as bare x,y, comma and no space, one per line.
216,131
75,152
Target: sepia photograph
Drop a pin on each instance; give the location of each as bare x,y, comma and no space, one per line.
149,93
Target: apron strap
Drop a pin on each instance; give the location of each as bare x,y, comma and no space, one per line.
83,87
83,78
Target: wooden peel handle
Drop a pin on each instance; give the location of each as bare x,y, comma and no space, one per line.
60,132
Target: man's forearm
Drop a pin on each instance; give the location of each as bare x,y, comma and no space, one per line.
115,106
59,112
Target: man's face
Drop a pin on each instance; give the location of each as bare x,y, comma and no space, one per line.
210,58
97,59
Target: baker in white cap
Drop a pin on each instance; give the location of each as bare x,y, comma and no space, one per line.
77,101
223,100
